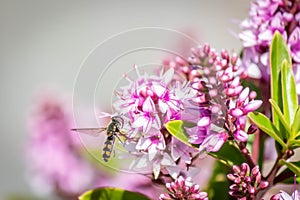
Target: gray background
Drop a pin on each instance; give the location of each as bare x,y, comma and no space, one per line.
42,44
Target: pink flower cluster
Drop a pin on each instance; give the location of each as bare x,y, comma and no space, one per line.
266,17
246,183
221,97
54,163
148,103
183,189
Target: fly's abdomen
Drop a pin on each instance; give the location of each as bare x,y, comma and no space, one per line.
108,147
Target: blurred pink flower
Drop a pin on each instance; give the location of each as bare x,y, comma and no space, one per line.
54,162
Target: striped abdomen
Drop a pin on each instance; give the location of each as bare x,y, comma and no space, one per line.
108,147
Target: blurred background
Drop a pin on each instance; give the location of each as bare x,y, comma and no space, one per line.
43,45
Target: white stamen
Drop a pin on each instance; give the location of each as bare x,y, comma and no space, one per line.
136,70
127,78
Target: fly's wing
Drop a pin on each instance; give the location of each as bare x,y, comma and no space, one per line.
90,131
108,147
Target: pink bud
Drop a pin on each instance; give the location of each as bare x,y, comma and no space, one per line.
245,168
252,105
258,178
252,129
275,197
218,67
180,182
224,54
236,112
203,122
180,61
241,122
170,187
241,136
244,75
185,189
247,179
252,95
236,169
206,49
238,90
230,92
235,82
195,188
234,58
234,187
185,69
231,177
243,95
235,194
235,68
255,170
202,195
165,197
264,184
172,64
173,186
251,189
238,180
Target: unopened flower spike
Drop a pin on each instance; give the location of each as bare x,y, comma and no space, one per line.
247,182
222,102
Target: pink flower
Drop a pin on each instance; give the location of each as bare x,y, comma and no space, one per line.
148,103
147,117
213,142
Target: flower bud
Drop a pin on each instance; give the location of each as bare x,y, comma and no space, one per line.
231,177
252,129
244,95
245,168
180,61
252,106
264,184
255,170
236,112
241,136
236,169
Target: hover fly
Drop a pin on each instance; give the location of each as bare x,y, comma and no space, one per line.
112,131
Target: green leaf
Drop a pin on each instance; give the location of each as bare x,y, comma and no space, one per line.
289,93
176,129
111,193
294,143
278,53
266,125
293,166
225,155
282,119
296,123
